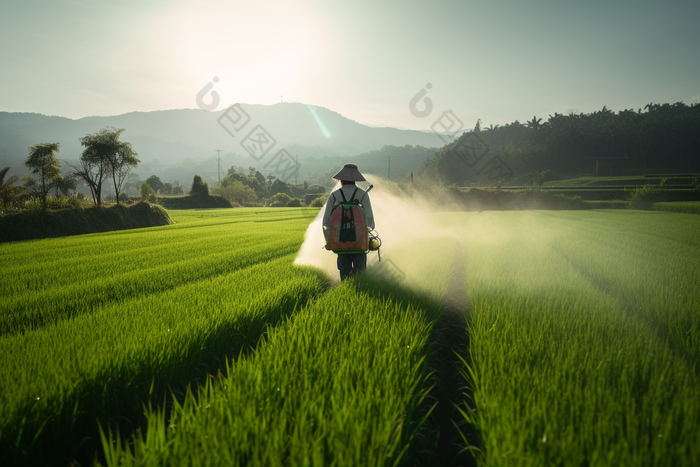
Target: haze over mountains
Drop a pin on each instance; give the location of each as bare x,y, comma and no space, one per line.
170,137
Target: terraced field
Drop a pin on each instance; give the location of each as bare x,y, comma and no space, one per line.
515,338
687,207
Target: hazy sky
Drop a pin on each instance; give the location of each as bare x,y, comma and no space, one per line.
498,61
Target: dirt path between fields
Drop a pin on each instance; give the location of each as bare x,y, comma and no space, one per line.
450,342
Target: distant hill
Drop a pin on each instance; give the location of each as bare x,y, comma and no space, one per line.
190,136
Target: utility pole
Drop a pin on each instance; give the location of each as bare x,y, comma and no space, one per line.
218,160
389,171
296,171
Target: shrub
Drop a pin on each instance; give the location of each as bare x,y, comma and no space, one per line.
37,223
124,198
155,182
318,202
147,193
294,203
54,202
280,200
643,198
237,192
199,187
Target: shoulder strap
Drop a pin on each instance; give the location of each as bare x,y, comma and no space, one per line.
353,195
343,195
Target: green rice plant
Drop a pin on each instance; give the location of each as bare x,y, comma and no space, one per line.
105,362
687,207
37,308
643,198
561,372
649,265
341,383
336,385
583,346
56,280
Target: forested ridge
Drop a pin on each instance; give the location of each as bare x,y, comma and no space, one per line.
660,138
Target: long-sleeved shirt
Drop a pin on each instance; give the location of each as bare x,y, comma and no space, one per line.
335,198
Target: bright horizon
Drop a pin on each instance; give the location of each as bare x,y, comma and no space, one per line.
497,62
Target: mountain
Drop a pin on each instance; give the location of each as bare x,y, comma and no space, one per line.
170,137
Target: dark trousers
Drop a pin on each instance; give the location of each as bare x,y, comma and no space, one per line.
349,265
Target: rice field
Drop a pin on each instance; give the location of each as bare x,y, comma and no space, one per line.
576,342
585,340
688,207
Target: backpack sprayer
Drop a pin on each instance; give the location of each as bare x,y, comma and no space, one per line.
355,244
374,241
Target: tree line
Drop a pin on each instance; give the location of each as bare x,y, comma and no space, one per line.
107,159
660,138
254,189
104,159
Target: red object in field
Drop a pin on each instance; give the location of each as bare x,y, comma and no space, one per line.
355,220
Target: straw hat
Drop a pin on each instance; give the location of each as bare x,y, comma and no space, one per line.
349,173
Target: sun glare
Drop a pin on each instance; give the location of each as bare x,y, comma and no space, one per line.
253,63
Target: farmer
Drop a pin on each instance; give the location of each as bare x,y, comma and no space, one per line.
348,263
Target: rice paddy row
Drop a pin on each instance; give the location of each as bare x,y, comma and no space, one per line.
341,383
584,339
583,344
105,362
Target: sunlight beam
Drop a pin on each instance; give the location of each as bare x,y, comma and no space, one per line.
319,122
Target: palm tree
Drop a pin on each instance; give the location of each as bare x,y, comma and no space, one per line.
534,123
